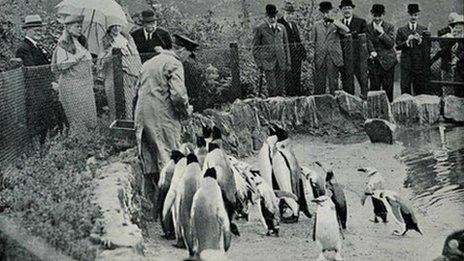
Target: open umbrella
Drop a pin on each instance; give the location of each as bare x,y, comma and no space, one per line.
98,16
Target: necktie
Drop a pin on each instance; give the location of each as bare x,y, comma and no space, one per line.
346,22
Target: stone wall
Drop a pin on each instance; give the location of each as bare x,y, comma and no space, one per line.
244,123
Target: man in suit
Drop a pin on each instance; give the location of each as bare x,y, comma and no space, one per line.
38,78
326,50
382,59
409,39
297,51
150,36
271,52
357,26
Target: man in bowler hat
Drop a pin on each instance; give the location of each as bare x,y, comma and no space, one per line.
297,50
326,49
150,36
357,26
409,40
382,59
271,52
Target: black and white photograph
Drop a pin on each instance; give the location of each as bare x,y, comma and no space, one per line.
240,130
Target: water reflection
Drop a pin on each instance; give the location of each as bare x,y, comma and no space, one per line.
435,162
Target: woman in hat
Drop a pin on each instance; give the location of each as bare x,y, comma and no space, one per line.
115,38
73,63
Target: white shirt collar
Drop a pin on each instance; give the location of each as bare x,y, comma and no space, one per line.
32,41
380,24
146,33
274,25
411,25
349,19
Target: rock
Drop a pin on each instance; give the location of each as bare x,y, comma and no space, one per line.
380,130
404,110
419,110
378,106
453,108
114,196
350,104
428,107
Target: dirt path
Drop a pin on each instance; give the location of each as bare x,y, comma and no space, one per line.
364,240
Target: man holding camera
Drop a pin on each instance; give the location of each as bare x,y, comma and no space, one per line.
409,40
326,50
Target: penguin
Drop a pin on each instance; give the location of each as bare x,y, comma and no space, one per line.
210,227
453,249
287,174
201,150
401,210
374,181
188,186
338,198
164,183
265,155
171,201
246,189
207,134
326,227
216,158
316,181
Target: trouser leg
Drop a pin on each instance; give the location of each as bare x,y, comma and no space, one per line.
405,80
320,79
270,82
388,82
332,73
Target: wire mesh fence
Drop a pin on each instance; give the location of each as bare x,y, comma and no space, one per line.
37,102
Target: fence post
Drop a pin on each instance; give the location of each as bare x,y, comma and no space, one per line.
118,84
238,92
348,81
363,55
427,52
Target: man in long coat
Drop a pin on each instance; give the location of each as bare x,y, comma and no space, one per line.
357,26
297,51
382,58
326,50
271,53
409,39
162,103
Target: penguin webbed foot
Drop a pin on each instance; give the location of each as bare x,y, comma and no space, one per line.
397,233
273,232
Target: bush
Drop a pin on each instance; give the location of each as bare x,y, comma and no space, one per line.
50,194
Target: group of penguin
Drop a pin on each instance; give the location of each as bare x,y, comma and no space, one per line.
202,190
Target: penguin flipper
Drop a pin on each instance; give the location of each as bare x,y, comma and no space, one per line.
302,201
168,202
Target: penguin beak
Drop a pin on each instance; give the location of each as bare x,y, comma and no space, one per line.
368,194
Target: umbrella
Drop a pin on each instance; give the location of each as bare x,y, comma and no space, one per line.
98,16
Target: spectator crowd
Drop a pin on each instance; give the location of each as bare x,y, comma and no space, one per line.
277,48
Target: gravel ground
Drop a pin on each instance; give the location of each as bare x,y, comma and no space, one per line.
364,240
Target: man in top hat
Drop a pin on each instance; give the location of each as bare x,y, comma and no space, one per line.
382,59
409,39
161,104
150,36
39,93
357,26
271,52
326,49
297,50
